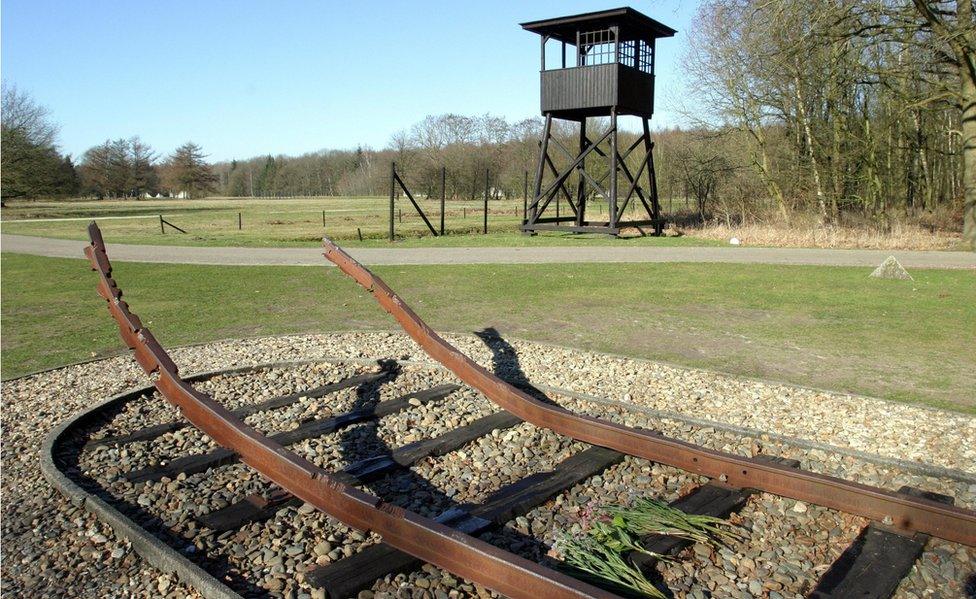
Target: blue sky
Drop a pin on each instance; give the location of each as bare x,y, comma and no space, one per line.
247,78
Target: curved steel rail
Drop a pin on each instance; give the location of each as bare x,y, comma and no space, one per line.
424,538
906,512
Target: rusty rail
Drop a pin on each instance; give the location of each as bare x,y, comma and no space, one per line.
906,512
464,555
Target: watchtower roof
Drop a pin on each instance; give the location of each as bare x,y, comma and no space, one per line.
633,25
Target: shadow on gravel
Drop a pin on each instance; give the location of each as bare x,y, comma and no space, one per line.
407,489
506,365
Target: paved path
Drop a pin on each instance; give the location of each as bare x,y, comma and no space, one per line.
66,248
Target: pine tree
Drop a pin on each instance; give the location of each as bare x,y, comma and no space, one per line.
265,183
66,178
188,171
145,178
119,168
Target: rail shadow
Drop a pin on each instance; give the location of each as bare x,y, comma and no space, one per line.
406,488
506,365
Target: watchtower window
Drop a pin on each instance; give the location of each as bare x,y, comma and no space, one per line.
637,54
597,47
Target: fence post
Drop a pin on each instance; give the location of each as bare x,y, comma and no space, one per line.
323,219
485,229
240,221
161,228
392,190
443,195
525,197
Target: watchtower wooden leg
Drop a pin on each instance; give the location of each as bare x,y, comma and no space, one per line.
613,169
581,185
543,154
655,213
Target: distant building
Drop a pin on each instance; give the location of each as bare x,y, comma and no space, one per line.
178,196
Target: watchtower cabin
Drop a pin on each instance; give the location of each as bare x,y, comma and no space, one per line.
604,68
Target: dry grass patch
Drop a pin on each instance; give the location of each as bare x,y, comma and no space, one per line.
901,237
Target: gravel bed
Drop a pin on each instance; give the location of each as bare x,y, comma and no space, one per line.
51,547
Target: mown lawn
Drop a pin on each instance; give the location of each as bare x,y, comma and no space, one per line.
820,326
295,222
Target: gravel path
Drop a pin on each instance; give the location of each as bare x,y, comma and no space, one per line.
50,547
67,248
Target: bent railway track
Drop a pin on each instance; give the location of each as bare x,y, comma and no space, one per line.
903,520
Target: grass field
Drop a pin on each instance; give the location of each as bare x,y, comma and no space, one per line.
294,222
826,327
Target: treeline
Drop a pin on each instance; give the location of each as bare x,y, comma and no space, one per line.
466,146
33,167
129,168
862,108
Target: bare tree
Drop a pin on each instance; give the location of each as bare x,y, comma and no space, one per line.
704,167
20,112
30,164
957,30
725,61
850,106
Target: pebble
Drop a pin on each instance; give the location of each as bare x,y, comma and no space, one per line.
787,545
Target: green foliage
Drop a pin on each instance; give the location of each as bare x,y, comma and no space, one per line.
600,553
588,558
614,535
650,516
265,183
126,168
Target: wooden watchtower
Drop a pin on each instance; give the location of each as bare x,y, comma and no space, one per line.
610,73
